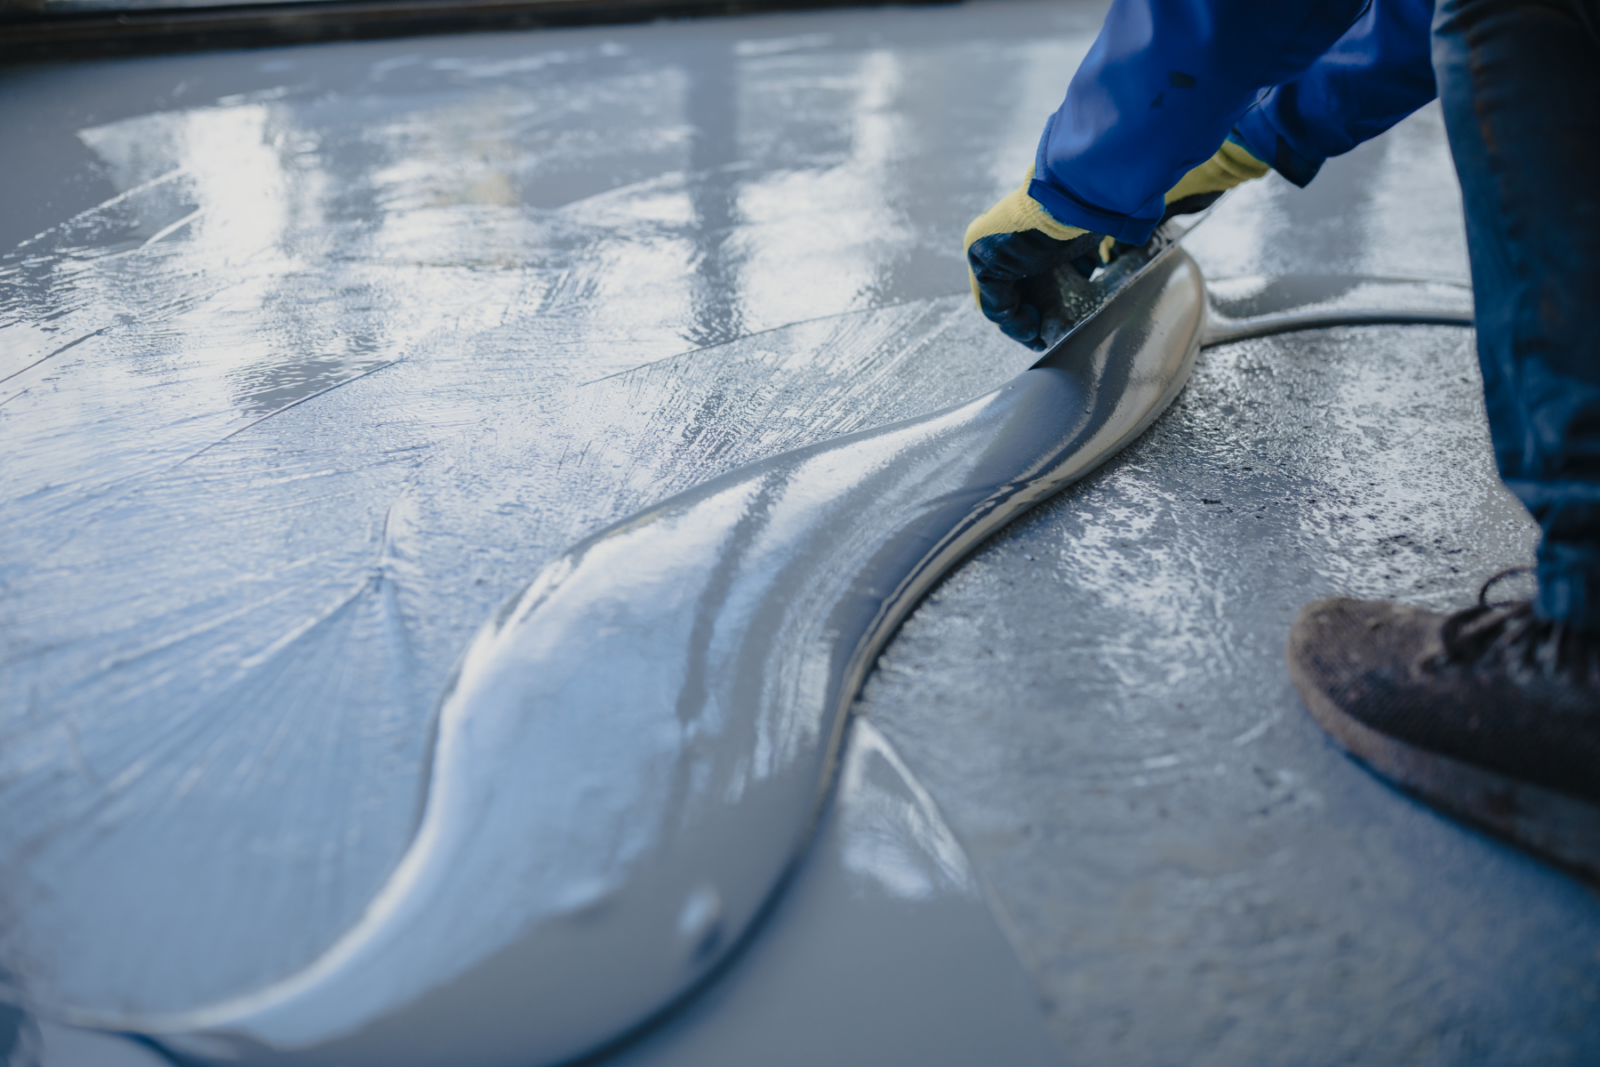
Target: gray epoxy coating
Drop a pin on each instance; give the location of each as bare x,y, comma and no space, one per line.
211,543
425,211
631,753
883,936
881,951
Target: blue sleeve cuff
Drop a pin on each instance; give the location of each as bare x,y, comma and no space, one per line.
1267,143
1069,210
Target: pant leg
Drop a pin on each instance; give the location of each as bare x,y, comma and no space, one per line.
1373,76
1520,82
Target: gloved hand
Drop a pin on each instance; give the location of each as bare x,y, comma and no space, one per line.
1231,165
1017,239
1014,240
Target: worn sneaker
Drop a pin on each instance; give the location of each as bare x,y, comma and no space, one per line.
1491,714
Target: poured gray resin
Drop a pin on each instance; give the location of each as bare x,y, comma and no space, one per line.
633,750
881,951
328,354
882,936
319,353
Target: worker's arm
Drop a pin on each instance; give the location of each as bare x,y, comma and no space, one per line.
1159,91
1379,72
1139,134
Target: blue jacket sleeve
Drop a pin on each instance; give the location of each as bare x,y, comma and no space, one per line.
1159,92
1379,72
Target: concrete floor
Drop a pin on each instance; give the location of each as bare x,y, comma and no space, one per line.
311,356
1100,705
1099,699
1193,872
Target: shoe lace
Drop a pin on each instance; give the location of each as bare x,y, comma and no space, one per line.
1511,633
1495,579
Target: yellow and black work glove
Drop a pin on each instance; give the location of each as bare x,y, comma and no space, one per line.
1199,189
1231,165
1017,239
1014,240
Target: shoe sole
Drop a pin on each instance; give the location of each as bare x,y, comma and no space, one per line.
1552,825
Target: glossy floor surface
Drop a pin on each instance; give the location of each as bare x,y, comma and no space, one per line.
312,356
322,368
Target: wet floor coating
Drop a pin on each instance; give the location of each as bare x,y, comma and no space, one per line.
348,348
884,940
883,936
355,344
632,751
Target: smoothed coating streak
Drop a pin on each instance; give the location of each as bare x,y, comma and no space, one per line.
651,724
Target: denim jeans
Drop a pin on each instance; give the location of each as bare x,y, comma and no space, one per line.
1520,85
